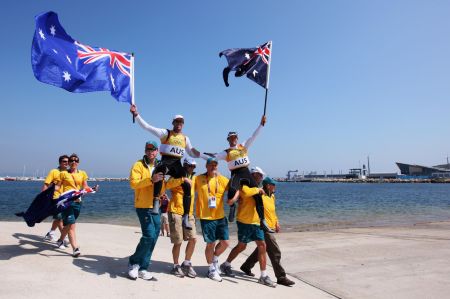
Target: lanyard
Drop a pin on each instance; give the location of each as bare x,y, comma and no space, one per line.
207,183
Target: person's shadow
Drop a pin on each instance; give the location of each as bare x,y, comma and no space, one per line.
27,245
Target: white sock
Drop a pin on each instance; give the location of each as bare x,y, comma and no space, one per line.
187,262
227,264
211,267
51,232
215,259
175,265
263,273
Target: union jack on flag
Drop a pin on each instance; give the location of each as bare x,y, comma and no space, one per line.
59,60
252,62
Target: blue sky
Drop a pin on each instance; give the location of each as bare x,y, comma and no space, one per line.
348,79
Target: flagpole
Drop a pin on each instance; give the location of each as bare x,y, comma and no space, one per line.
268,77
132,82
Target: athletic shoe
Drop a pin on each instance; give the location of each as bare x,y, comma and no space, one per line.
50,237
285,281
214,276
188,270
66,241
263,225
76,252
232,213
267,281
133,271
226,270
247,272
60,244
145,275
177,271
185,221
216,266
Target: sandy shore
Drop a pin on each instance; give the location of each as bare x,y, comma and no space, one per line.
388,262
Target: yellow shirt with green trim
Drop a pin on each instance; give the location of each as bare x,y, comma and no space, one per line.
217,185
54,176
174,146
246,211
72,181
141,183
176,201
269,210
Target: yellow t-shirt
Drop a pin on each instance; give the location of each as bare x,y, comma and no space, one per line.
269,210
72,181
141,183
217,187
54,176
176,201
246,212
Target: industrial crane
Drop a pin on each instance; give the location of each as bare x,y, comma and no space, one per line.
289,174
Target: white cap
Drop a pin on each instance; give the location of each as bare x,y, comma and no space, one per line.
189,161
178,116
256,169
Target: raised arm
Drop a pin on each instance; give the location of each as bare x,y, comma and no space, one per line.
160,133
252,138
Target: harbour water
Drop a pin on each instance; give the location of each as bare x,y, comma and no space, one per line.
300,206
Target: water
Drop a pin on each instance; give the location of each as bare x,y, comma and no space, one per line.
300,206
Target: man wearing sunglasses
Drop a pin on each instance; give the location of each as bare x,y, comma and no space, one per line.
142,182
53,177
174,145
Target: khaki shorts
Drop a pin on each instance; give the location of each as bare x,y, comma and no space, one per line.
164,218
177,232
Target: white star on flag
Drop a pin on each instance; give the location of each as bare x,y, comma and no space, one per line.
68,58
112,81
254,73
53,30
56,52
41,34
247,55
66,76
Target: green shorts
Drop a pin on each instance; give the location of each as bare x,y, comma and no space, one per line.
58,216
249,232
71,214
214,230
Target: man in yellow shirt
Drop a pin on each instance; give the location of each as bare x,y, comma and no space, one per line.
53,177
249,230
142,181
210,188
178,233
273,250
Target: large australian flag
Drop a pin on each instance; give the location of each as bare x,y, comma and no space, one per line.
252,62
59,60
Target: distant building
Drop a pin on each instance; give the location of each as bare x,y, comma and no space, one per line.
420,170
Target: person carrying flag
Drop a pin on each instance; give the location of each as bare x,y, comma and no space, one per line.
238,161
53,177
174,144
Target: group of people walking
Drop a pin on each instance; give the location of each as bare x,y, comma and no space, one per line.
250,190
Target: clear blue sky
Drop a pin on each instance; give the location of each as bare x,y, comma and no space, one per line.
349,79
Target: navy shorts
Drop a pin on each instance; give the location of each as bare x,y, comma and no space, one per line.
214,230
249,232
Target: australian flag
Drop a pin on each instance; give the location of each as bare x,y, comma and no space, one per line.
253,62
59,60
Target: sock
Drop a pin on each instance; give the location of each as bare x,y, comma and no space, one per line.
51,232
215,259
186,262
211,267
263,273
227,264
175,265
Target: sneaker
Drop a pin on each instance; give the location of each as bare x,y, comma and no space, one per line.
145,275
188,270
185,221
267,281
66,241
214,275
285,281
247,272
265,227
50,237
216,266
60,244
177,271
232,214
133,271
76,252
226,270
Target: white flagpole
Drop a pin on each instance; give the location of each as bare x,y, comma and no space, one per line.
268,76
132,81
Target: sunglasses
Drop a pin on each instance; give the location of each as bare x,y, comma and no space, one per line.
74,160
65,161
151,149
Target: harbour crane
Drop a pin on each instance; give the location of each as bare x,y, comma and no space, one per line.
289,174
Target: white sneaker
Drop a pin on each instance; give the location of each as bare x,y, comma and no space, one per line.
133,271
50,237
216,266
60,245
66,241
145,275
214,275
